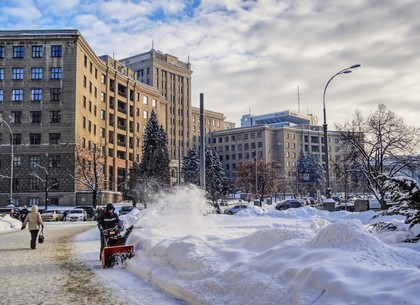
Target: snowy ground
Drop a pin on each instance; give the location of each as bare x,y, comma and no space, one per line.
298,256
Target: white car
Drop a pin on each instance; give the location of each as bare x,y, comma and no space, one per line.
76,215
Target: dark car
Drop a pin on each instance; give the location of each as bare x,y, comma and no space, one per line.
289,203
89,210
125,210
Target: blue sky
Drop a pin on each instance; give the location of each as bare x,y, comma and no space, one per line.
254,55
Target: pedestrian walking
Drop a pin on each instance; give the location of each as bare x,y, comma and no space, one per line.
34,221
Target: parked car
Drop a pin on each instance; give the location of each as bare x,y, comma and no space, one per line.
345,207
236,209
52,215
76,215
289,203
125,210
13,212
89,210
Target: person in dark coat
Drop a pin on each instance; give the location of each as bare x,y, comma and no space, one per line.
23,213
107,220
34,221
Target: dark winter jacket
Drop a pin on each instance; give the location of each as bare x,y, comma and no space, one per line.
108,219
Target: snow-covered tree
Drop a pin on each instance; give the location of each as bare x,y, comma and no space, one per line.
310,172
217,184
379,145
405,192
191,167
152,174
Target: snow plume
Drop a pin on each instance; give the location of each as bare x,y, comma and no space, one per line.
180,212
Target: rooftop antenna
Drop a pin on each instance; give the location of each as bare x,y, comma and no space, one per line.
188,58
298,96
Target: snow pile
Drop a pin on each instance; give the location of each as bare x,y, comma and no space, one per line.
9,223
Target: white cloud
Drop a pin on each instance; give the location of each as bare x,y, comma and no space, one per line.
256,53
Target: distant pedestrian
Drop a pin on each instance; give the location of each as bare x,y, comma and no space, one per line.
34,221
23,213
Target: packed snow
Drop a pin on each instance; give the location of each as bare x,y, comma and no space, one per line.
265,256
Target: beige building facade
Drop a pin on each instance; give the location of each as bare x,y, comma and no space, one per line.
60,99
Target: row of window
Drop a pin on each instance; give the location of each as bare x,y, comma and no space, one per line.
37,51
34,184
36,73
35,138
37,95
34,116
54,161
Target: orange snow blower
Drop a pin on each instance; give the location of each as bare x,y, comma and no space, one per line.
116,252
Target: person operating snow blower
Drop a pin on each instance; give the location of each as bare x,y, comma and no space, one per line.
107,220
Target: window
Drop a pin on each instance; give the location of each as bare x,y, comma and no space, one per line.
17,95
36,95
103,97
55,116
17,73
1,51
55,138
36,73
2,74
1,96
54,161
33,184
16,116
145,101
34,138
56,73
37,51
34,159
53,183
103,114
17,139
17,160
154,103
145,114
56,51
55,94
35,116
18,52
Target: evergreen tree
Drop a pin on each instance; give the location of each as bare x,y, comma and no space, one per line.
216,180
310,172
152,174
405,192
191,167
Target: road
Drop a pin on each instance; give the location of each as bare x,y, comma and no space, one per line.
55,273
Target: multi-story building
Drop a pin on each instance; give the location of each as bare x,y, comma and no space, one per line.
279,119
213,121
63,101
269,143
172,78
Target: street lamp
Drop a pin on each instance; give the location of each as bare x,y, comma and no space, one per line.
11,161
327,169
45,182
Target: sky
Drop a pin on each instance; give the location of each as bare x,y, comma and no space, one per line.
261,256
259,56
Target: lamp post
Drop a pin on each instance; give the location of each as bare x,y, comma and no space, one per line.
325,127
45,183
11,160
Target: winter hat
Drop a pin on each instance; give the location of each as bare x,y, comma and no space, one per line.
34,208
110,206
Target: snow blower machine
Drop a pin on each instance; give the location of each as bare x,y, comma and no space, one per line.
116,252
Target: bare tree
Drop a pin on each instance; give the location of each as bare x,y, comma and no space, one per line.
263,179
88,172
376,145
